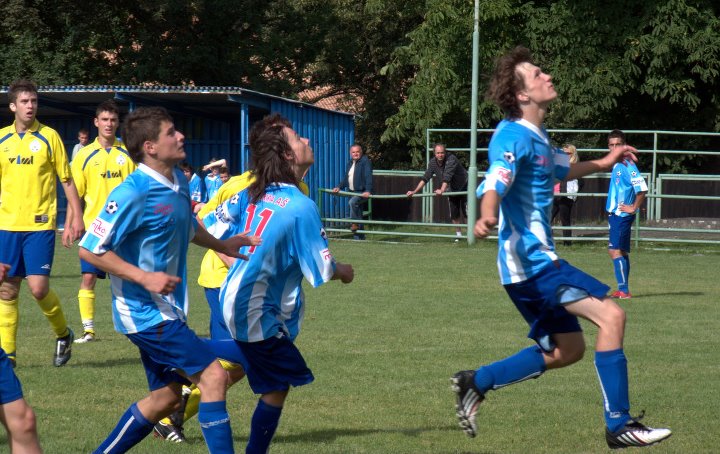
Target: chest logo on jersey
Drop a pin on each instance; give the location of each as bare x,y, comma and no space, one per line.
509,157
163,209
35,146
120,160
111,174
542,160
21,160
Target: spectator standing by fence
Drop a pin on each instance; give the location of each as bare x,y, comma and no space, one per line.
454,177
358,179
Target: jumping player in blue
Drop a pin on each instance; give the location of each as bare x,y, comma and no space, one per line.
262,298
141,238
625,197
548,292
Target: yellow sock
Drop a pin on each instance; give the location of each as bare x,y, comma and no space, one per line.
8,325
193,403
50,306
86,300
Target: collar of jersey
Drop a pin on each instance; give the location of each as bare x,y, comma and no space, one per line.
160,178
534,129
33,127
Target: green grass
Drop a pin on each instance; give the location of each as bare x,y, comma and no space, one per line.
382,350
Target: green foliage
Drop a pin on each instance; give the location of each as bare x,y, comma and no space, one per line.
633,65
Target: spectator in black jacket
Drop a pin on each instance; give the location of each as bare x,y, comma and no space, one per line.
454,177
358,179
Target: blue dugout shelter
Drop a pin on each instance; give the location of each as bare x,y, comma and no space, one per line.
215,121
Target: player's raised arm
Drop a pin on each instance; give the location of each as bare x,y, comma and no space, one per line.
617,154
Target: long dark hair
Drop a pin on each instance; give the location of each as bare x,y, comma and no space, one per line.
269,151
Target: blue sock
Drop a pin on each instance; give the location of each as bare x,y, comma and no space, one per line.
612,371
262,428
627,271
215,425
130,430
523,365
620,273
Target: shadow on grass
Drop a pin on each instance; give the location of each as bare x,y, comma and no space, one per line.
650,295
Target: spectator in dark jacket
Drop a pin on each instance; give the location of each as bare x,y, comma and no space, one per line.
453,176
358,179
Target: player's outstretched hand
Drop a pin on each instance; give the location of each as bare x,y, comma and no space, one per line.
344,272
621,153
484,226
159,282
234,243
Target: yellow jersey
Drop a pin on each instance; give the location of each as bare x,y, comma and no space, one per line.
29,163
97,171
212,269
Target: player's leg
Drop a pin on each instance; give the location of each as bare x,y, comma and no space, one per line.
9,315
11,254
618,245
273,365
47,299
19,420
15,414
212,411
611,365
38,253
86,300
139,419
265,420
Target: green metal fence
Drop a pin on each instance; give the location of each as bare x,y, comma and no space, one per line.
642,232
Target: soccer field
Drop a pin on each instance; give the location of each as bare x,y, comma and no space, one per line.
383,348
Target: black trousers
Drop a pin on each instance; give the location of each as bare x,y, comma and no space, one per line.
562,207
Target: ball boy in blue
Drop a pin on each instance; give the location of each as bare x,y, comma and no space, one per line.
548,292
262,298
141,238
626,195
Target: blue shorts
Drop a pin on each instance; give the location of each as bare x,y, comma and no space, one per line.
169,347
620,231
86,267
27,253
218,328
273,364
540,300
10,388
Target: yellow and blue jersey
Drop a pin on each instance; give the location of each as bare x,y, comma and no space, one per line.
212,269
29,163
96,171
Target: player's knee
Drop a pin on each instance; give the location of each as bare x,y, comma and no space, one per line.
9,290
613,317
213,379
23,424
568,354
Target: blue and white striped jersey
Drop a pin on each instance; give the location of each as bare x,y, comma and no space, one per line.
523,170
264,295
146,221
197,189
625,183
